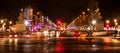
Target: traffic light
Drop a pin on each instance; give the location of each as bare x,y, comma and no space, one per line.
107,25
59,22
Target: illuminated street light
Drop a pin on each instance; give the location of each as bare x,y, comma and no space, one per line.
2,21
115,20
88,9
38,13
26,23
10,22
94,22
107,21
83,12
3,26
107,25
21,9
116,23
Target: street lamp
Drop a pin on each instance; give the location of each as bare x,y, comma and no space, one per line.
93,23
107,25
107,21
83,13
21,9
5,23
116,23
38,13
3,26
1,21
10,22
26,23
88,9
115,20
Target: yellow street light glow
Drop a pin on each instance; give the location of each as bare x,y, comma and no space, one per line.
83,12
21,9
88,9
107,21
115,20
2,21
94,22
10,22
38,13
116,23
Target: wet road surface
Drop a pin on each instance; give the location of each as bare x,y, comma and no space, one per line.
60,45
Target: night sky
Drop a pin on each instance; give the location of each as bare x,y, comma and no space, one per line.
55,9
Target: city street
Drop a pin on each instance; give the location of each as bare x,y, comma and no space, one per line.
59,26
107,44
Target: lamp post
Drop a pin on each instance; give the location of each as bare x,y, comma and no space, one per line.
116,23
107,25
3,24
115,20
10,22
1,21
93,23
107,21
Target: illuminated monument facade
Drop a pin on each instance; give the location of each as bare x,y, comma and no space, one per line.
25,19
28,16
36,22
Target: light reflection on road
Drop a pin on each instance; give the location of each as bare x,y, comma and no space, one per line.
60,45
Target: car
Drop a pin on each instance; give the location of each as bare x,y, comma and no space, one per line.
76,33
81,34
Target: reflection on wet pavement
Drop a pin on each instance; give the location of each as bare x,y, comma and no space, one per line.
60,45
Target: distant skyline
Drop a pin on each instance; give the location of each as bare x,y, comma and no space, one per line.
65,9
